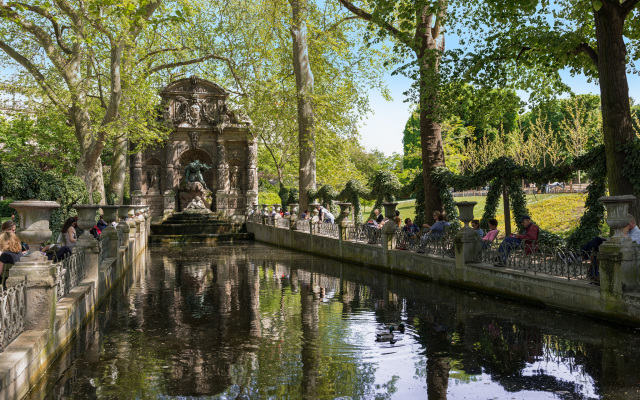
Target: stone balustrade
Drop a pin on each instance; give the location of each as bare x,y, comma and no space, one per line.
559,277
47,303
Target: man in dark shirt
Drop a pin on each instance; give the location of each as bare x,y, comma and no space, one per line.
529,239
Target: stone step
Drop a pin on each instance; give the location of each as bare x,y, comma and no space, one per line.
206,239
193,229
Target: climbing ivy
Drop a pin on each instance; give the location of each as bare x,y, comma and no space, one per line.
384,188
506,173
352,192
631,169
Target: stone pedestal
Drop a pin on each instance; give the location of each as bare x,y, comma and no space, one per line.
41,292
190,191
169,202
467,246
34,224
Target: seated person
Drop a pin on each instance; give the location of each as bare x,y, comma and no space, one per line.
305,214
529,239
397,219
410,233
475,224
410,227
377,216
438,228
491,235
632,230
435,217
10,253
68,234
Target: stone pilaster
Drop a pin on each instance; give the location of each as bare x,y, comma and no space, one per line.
252,174
223,169
136,172
170,168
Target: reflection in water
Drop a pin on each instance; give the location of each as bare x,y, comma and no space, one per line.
253,322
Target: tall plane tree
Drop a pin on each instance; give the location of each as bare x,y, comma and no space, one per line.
417,28
529,41
304,85
77,55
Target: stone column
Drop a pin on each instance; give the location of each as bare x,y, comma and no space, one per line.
617,256
252,174
136,172
223,178
169,165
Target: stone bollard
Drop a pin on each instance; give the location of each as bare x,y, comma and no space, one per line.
41,289
467,246
86,221
617,256
110,216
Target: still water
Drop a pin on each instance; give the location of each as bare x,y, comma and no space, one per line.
253,321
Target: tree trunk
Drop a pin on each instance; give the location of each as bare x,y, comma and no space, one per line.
89,167
304,85
429,54
119,168
614,94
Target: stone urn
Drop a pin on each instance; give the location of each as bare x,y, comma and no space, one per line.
265,209
110,214
293,209
345,210
466,212
86,220
276,207
390,210
34,224
617,213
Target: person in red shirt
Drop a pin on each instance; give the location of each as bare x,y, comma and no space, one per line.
529,240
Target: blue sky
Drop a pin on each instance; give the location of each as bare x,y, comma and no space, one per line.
383,129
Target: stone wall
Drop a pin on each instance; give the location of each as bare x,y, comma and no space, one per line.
27,358
607,301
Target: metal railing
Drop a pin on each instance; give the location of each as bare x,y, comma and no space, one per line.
13,311
283,223
529,256
302,225
69,272
326,229
365,234
439,244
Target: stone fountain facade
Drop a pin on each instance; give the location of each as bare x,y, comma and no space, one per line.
205,129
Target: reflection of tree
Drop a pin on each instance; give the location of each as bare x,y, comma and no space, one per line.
309,353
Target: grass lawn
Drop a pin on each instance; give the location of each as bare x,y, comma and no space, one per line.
558,213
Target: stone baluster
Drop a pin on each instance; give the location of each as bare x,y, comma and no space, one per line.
41,294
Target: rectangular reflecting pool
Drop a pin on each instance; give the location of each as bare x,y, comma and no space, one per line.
252,321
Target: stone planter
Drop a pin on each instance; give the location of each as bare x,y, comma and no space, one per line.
390,210
466,212
110,213
86,219
276,207
617,213
123,213
34,224
265,209
255,208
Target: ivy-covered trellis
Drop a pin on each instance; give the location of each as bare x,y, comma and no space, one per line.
504,173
